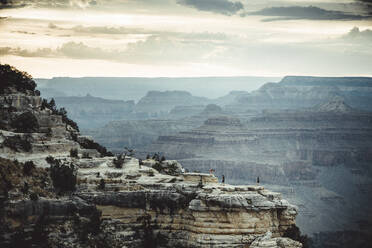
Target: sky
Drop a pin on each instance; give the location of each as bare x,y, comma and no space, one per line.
187,38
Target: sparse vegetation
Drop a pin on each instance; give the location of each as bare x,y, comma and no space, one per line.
10,77
12,178
62,112
18,143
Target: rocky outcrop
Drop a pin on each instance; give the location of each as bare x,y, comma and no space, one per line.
188,210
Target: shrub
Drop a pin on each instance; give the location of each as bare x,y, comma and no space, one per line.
25,123
74,153
63,175
102,184
156,157
28,167
25,188
162,159
34,196
118,161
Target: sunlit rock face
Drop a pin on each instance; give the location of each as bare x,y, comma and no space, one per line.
130,203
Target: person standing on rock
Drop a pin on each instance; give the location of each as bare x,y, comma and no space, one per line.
223,179
258,180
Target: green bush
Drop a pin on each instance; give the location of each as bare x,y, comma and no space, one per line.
63,175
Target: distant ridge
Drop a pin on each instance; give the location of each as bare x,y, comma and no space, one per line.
327,81
336,105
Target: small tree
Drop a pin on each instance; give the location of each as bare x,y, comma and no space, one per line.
74,153
102,184
119,161
63,175
28,167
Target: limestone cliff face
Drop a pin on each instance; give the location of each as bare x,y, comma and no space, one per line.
129,203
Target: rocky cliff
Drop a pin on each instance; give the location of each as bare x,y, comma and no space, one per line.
60,189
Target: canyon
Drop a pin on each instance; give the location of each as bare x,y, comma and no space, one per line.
61,189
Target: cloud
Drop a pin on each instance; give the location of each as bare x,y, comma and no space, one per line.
224,7
47,3
307,13
155,49
97,30
356,35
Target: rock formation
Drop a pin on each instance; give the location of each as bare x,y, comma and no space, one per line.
60,189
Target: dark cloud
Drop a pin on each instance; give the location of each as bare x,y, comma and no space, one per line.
9,4
307,13
6,4
366,5
224,7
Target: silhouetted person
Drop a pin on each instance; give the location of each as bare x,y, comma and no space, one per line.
258,180
223,178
